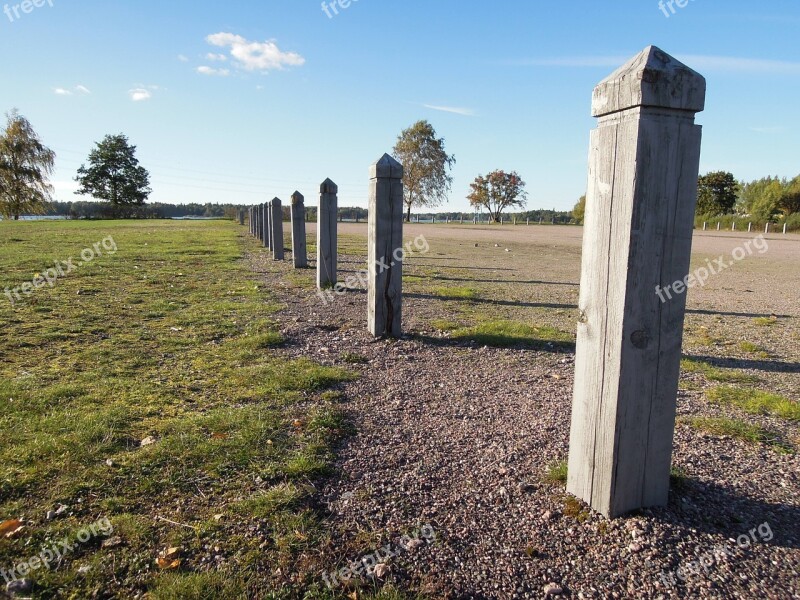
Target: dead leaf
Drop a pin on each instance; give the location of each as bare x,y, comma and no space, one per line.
219,436
297,423
148,441
172,552
167,564
9,528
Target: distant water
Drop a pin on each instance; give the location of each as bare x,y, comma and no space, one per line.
41,218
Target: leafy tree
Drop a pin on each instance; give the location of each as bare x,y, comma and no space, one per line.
579,212
496,192
114,174
759,197
716,193
789,202
25,165
426,165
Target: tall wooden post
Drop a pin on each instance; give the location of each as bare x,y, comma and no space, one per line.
385,248
268,225
276,234
299,253
327,212
640,210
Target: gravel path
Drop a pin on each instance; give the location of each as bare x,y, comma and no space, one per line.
459,438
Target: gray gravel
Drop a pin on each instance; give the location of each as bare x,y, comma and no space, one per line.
459,437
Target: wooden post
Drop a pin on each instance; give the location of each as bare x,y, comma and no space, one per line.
766,229
785,226
268,229
385,248
259,222
276,235
733,226
719,225
326,234
640,208
749,227
299,252
705,225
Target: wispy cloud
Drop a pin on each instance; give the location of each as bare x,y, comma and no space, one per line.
216,57
255,56
699,62
206,70
767,129
183,58
740,65
466,112
568,61
60,91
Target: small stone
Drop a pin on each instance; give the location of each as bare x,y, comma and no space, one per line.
19,586
635,548
148,441
109,462
112,542
382,570
51,514
414,544
84,569
219,517
547,516
553,589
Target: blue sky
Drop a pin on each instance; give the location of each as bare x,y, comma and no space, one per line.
245,101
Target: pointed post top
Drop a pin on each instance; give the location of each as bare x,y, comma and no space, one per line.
328,187
386,167
275,201
652,79
298,198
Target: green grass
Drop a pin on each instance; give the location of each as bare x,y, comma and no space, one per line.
752,348
173,336
756,402
712,373
460,293
503,333
753,434
765,321
557,473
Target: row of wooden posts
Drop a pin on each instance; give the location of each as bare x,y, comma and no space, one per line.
749,227
385,236
641,198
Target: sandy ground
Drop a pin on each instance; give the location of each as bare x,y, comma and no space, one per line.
458,437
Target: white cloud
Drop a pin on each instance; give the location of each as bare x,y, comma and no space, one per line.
205,70
140,94
183,58
82,89
216,57
255,56
62,92
466,112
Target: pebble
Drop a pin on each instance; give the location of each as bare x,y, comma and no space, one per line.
19,586
553,589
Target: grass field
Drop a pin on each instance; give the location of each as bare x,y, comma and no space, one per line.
151,389
167,339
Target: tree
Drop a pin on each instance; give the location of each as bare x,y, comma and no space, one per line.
25,165
496,192
426,180
716,193
579,211
114,174
759,198
789,202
